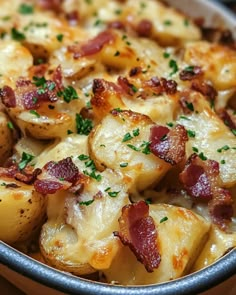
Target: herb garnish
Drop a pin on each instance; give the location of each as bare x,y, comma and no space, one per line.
25,159
83,125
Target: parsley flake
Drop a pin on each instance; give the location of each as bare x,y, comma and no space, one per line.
17,35
191,133
202,156
60,37
10,125
224,148
123,165
68,94
173,65
35,113
113,194
25,159
86,203
164,219
83,125
26,9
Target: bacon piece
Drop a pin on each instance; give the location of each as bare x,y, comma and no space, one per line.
162,85
27,175
228,118
190,74
144,28
201,180
7,95
138,231
54,5
126,86
73,17
168,144
63,170
205,89
93,46
116,24
57,77
44,186
37,70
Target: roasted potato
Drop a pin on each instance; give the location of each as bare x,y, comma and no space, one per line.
187,233
22,211
6,137
120,142
78,236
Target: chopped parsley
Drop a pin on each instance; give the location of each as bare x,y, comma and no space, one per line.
191,133
69,132
148,201
123,165
118,11
113,194
35,113
144,147
26,9
195,149
25,159
10,125
128,136
184,118
186,22
97,22
83,125
164,219
222,162
170,124
133,147
166,54
17,35
173,65
167,22
189,105
223,148
89,163
60,37
86,203
233,131
88,1
68,94
39,81
189,69
202,156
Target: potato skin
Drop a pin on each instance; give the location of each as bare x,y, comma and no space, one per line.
22,211
6,138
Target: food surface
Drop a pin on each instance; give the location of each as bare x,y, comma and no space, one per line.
117,138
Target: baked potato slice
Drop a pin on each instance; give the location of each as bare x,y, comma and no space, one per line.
218,244
6,137
22,211
78,236
181,234
212,138
121,142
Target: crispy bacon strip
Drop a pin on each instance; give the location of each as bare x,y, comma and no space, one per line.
167,144
201,180
27,175
63,170
7,96
54,5
93,46
205,89
47,186
161,85
190,74
144,28
138,231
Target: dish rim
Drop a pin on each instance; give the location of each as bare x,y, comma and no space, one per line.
194,283
202,280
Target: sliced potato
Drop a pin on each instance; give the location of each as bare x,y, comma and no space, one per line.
78,236
221,73
15,61
109,148
6,138
180,238
22,211
212,138
218,244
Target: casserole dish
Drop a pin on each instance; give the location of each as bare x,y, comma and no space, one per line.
13,261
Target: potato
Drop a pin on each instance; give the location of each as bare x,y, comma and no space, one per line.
221,73
218,244
212,138
6,138
108,148
15,61
79,237
180,238
22,211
